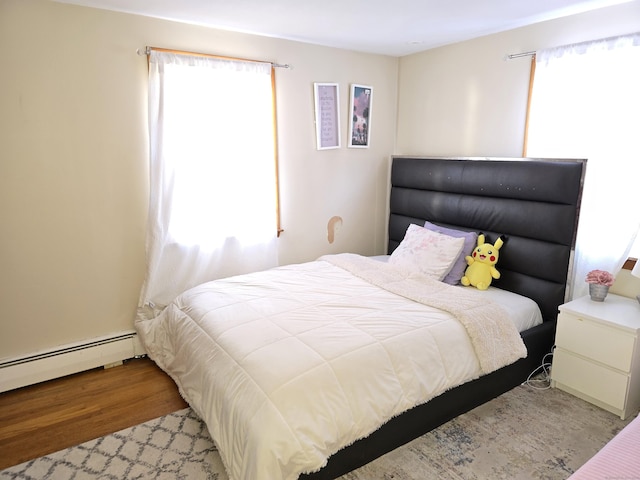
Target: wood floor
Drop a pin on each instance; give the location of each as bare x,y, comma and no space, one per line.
44,418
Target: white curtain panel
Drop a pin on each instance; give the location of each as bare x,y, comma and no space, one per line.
586,104
212,208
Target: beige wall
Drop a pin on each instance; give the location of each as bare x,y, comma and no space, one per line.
73,147
466,99
73,162
626,284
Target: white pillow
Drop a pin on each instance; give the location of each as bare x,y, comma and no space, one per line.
429,253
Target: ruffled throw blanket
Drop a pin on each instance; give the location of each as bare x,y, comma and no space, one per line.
496,341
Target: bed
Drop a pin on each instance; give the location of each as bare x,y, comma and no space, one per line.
312,370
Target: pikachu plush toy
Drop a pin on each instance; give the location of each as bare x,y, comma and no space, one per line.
481,269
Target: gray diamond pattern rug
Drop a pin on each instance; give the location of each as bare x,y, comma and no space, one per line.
176,446
525,434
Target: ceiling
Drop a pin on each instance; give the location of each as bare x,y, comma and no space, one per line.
396,28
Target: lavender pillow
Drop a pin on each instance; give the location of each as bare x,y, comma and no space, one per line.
460,265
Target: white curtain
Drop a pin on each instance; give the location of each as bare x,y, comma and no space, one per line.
213,199
586,104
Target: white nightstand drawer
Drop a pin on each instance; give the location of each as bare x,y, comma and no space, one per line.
603,344
595,380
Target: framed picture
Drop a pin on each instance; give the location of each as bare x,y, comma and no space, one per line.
360,121
327,115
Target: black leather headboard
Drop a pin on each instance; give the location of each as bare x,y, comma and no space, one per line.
534,203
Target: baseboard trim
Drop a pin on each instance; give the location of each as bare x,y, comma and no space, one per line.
69,359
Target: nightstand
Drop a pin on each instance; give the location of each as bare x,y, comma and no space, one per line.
597,356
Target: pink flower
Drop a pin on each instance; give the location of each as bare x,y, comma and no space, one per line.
600,277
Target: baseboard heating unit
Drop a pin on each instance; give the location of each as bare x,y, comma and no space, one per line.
69,359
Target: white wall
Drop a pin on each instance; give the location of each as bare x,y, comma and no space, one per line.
73,162
465,99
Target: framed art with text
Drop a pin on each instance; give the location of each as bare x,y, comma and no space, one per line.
360,122
327,100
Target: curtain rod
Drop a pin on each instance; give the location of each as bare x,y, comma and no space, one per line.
607,39
147,50
518,55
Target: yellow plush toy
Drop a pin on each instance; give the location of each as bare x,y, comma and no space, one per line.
481,269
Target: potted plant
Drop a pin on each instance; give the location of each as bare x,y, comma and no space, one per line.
599,282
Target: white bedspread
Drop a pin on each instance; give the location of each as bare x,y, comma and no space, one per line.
290,365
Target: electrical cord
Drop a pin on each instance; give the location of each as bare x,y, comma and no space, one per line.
540,378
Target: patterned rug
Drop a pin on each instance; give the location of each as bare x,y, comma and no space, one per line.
526,433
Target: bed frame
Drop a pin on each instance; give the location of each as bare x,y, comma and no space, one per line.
535,204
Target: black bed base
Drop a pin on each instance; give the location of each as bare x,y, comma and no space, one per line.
424,418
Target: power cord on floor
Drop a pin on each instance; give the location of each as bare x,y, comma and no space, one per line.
540,378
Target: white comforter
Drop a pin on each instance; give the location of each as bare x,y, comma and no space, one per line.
290,365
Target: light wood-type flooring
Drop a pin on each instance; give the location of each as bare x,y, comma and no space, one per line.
50,416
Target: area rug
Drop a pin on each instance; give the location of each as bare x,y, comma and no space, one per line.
526,434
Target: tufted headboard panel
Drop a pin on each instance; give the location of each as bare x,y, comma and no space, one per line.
534,203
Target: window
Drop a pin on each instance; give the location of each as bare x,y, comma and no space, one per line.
584,104
635,248
213,199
